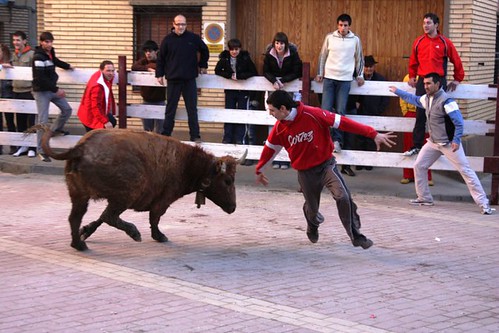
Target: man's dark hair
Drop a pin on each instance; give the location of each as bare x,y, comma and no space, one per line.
281,97
150,45
434,76
344,18
433,17
105,63
234,43
46,36
21,34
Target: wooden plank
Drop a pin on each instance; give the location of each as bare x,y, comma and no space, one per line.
258,117
350,157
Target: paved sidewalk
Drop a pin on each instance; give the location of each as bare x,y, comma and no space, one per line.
432,269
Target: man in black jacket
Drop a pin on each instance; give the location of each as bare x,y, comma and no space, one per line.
45,88
178,62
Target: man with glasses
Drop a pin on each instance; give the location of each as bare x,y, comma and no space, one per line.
179,63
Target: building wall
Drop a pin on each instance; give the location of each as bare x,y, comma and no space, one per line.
472,29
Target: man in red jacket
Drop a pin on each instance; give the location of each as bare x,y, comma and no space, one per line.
431,53
304,132
97,105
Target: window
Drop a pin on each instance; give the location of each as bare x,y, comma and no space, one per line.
155,22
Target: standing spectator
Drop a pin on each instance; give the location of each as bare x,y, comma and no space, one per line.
97,105
23,57
409,111
235,64
370,105
6,92
282,64
445,127
45,89
340,61
304,132
182,56
150,95
431,52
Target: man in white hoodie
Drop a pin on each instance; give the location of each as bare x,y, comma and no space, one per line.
340,61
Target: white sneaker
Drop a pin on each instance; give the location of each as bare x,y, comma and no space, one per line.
20,151
337,147
419,202
31,153
275,166
486,210
411,152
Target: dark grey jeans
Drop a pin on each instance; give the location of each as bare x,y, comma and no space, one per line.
313,180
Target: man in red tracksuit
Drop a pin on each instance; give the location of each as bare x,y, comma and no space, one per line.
97,105
304,132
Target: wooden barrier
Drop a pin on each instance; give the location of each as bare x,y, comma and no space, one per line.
259,83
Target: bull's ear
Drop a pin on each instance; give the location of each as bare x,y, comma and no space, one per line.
221,167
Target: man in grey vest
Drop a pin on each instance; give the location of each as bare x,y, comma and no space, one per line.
445,127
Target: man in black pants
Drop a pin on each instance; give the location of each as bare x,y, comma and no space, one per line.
178,62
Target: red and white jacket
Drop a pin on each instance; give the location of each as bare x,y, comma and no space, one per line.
97,102
306,137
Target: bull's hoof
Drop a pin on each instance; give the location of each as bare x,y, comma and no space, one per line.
135,235
80,245
85,233
159,237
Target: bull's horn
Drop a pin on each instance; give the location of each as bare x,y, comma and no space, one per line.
242,159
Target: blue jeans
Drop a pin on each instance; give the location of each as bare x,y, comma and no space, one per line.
235,99
43,99
335,94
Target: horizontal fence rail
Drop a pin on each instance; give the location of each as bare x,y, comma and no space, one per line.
256,117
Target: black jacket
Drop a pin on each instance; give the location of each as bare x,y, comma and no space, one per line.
178,56
245,67
291,66
44,74
373,105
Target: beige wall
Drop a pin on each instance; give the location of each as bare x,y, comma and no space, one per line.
472,28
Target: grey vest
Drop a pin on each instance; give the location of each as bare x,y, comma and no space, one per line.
440,126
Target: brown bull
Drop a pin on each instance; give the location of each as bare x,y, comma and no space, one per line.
141,171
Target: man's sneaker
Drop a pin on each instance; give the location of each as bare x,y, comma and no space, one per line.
44,157
337,147
419,202
21,151
347,170
31,153
486,210
365,243
411,152
284,166
312,233
60,133
406,181
276,166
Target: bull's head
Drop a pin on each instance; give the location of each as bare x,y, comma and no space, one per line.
220,188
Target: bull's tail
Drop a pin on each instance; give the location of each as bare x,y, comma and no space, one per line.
47,134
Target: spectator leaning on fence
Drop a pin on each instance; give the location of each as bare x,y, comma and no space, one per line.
340,61
97,105
45,89
445,127
150,95
304,132
182,56
23,57
235,64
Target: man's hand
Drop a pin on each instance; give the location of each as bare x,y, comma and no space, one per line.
319,78
392,89
384,139
454,146
203,70
108,125
60,93
360,81
412,82
452,86
260,178
161,80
